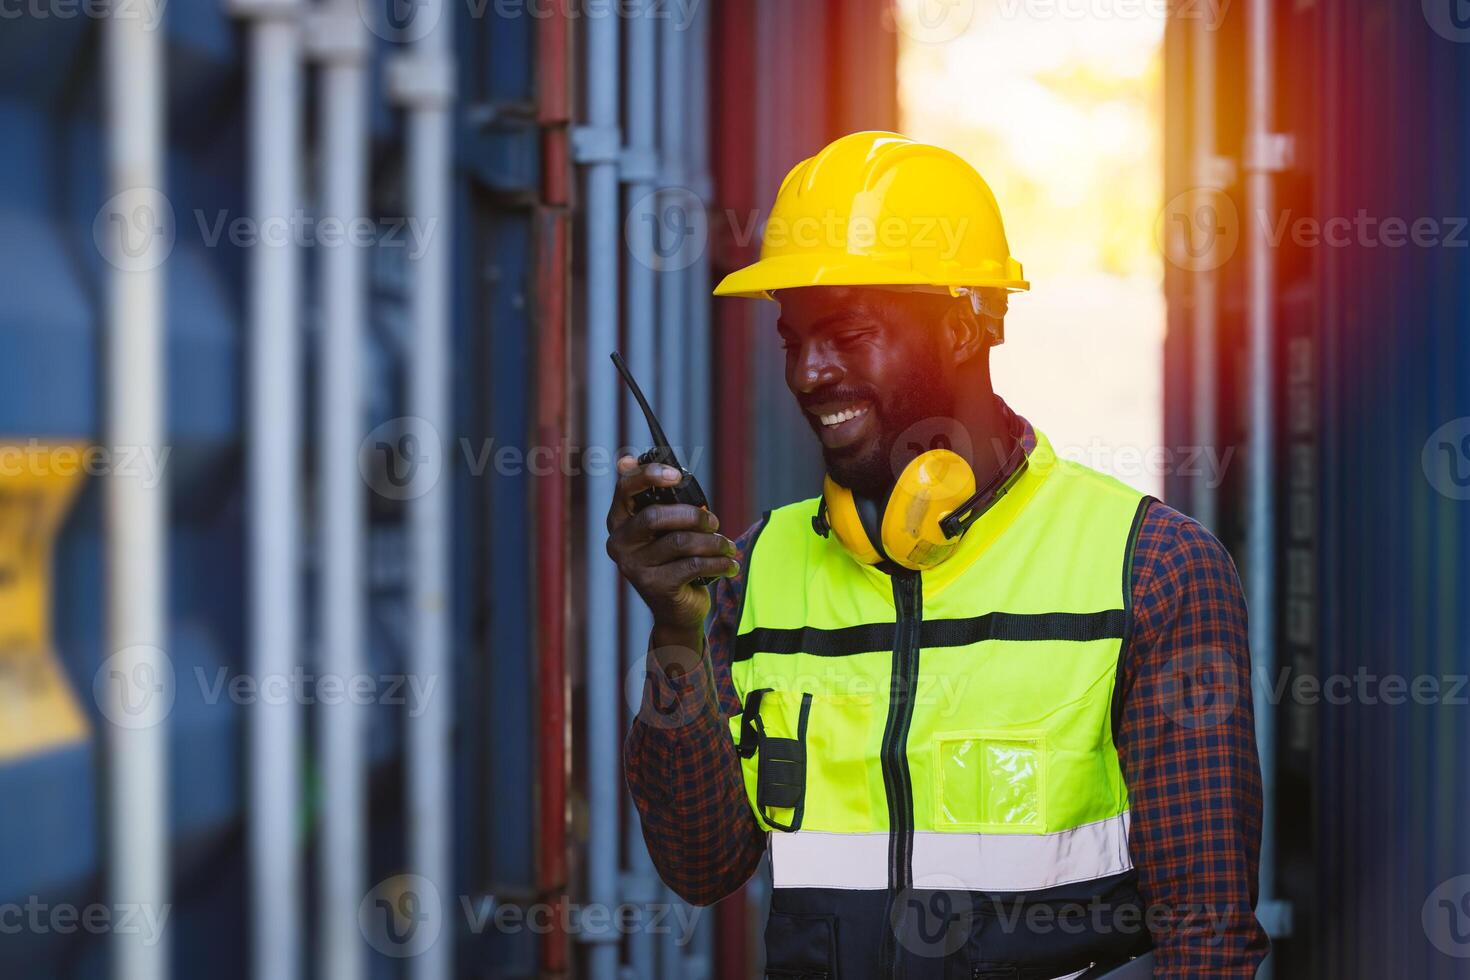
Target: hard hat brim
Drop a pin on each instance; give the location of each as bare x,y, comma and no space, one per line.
759,279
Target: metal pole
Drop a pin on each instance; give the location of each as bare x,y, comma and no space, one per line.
339,39
698,956
273,455
1205,403
423,81
1265,153
677,388
551,509
672,378
639,170
136,514
701,182
597,145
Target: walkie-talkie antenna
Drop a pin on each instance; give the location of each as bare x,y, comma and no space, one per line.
660,441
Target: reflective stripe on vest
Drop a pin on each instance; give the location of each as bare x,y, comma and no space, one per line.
967,862
950,729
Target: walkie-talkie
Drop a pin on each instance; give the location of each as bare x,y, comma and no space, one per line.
687,490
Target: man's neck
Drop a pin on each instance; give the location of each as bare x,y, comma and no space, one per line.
989,424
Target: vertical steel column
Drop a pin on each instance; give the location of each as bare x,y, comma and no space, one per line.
1205,403
136,514
702,185
423,82
1265,153
673,377
597,145
698,956
552,503
338,38
677,388
639,170
273,455
735,138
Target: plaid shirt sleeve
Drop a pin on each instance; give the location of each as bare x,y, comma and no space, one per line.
682,769
1186,741
1185,737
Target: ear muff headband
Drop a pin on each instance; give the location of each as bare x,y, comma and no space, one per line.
958,521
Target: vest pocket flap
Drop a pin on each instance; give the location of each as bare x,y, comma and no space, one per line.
801,945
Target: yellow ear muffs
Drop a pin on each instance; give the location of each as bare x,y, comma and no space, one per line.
930,487
908,531
929,509
840,515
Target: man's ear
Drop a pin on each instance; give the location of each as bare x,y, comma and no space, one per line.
967,334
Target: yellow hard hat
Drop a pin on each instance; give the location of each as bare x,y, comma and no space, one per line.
880,209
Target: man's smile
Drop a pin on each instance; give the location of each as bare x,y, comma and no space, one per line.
840,424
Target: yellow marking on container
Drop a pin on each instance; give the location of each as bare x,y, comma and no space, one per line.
38,708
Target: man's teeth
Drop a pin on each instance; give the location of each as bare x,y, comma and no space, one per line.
840,417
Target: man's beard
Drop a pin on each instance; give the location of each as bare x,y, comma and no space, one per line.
870,470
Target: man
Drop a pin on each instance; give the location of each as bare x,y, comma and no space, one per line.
988,711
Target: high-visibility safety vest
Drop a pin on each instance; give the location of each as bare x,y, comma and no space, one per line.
933,752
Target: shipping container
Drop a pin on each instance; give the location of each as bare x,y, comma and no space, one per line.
603,166
512,461
1368,365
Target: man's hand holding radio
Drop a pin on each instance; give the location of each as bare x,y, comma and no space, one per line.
661,550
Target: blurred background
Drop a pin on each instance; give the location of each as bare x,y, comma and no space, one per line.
312,663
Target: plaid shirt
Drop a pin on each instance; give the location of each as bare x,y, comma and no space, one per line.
1185,738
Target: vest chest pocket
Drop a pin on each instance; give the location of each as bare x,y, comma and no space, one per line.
804,758
991,781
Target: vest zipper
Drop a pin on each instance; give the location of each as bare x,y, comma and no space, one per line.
908,602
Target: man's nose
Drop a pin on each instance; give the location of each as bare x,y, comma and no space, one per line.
814,368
